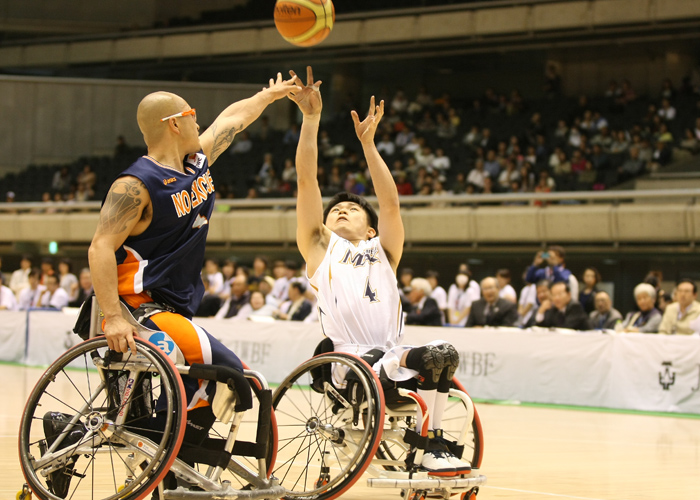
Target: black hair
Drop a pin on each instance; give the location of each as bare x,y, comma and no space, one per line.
566,285
299,286
688,280
372,217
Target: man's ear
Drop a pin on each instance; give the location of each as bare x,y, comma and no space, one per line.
371,233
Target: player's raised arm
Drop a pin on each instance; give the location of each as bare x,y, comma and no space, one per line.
391,231
239,115
312,235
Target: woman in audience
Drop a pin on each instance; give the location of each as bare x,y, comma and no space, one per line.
255,309
67,280
648,318
591,278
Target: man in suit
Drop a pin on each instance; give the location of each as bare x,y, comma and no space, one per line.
605,316
297,308
561,312
425,310
490,310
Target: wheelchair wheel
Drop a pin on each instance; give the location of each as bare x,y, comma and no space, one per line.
325,440
394,449
102,425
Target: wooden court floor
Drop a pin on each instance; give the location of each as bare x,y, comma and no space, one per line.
530,453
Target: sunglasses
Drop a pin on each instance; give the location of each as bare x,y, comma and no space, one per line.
192,112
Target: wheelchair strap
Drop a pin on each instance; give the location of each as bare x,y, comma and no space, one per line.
148,309
416,440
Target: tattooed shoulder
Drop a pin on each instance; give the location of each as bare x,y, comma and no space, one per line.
122,205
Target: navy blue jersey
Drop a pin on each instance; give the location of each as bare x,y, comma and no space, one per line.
164,263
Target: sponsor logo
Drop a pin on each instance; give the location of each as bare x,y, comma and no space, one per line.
169,181
666,377
359,259
127,393
201,188
476,364
287,10
164,343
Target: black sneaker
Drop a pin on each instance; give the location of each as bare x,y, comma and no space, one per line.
434,360
55,423
451,357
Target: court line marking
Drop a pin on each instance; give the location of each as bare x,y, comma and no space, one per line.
541,493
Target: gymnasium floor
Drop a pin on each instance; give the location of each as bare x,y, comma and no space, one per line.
530,453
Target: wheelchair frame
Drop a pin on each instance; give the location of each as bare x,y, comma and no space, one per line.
101,430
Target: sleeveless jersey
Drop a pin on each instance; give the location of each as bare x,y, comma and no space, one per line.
165,261
358,297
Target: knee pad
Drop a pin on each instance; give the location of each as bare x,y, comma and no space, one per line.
429,362
451,357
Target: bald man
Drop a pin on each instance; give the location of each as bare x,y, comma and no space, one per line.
490,309
150,240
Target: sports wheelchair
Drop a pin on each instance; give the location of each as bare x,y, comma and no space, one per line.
330,436
106,425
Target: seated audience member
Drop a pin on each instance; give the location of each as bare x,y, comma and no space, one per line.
238,298
30,296
561,311
54,297
551,266
20,278
460,297
256,308
591,278
605,316
67,280
297,307
84,288
527,303
46,269
491,310
8,301
424,310
679,314
648,318
505,290
543,295
438,294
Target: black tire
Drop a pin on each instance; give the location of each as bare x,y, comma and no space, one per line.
322,454
117,418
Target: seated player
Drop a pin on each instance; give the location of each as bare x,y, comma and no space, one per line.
351,257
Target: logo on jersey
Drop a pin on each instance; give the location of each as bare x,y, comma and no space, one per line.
199,221
185,201
169,181
165,344
196,160
359,259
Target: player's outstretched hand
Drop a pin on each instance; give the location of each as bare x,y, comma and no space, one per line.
366,129
308,97
120,335
280,88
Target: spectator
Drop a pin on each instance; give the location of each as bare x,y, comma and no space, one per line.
46,269
87,178
543,295
591,278
228,271
424,311
8,301
386,147
438,293
648,318
460,297
122,148
403,185
20,277
260,269
527,302
492,166
667,112
678,315
213,280
291,136
491,310
297,307
242,145
238,298
62,181
440,163
67,280
660,157
84,289
632,167
551,266
284,272
256,309
477,175
54,297
83,193
690,143
605,317
505,290
561,311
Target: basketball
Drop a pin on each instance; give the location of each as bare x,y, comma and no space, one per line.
304,22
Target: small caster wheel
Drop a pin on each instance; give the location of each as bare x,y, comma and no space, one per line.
418,495
25,494
322,480
470,495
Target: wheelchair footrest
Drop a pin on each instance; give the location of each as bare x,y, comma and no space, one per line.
274,491
428,483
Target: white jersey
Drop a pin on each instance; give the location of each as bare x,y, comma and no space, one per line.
358,298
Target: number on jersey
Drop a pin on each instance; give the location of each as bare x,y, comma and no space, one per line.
370,293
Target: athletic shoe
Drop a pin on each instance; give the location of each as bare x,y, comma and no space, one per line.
434,360
460,466
436,463
451,357
54,424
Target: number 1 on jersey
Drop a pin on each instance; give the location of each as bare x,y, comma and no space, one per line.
369,293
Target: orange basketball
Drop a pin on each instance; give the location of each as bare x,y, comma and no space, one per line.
304,22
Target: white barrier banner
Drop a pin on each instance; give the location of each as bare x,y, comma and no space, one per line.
627,371
13,335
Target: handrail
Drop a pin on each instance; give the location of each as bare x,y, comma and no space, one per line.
406,201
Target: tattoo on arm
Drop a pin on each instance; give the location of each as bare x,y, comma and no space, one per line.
121,205
222,140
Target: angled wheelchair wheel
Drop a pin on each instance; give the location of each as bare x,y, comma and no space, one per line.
326,437
102,425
